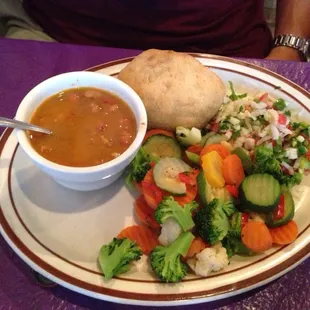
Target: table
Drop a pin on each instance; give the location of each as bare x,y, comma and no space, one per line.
23,64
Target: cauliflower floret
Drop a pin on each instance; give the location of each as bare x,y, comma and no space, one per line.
170,231
210,259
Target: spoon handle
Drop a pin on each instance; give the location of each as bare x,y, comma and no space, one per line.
12,123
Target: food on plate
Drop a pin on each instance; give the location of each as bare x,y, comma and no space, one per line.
166,260
166,175
158,146
212,222
176,89
285,234
153,132
188,136
145,213
197,245
209,260
220,149
226,191
284,212
115,258
260,192
146,238
256,236
212,165
84,122
168,208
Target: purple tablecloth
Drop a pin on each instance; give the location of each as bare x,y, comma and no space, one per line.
23,65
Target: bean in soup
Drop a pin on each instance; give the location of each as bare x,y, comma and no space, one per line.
90,127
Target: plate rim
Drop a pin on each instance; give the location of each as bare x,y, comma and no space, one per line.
174,299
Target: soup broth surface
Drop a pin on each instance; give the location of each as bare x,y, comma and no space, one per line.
90,127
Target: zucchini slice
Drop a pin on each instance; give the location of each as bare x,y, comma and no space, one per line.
245,159
193,157
206,137
159,146
215,139
166,175
289,211
260,193
207,193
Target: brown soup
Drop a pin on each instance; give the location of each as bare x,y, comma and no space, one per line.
90,127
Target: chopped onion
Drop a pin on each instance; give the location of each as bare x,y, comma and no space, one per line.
258,106
287,167
297,163
301,139
291,153
228,134
249,143
234,121
264,132
247,123
262,140
274,132
274,116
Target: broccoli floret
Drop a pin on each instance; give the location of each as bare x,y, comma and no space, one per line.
265,162
236,224
290,180
169,208
138,168
115,257
234,246
229,208
166,260
212,223
268,161
188,136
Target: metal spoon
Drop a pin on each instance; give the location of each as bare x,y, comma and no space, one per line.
12,123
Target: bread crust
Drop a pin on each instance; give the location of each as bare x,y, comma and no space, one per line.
176,89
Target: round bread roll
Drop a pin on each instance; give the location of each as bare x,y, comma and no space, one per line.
176,89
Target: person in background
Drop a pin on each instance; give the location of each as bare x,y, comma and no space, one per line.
226,27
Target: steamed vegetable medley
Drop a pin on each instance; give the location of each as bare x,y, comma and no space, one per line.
207,195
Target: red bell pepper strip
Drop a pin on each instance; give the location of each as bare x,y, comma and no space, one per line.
278,213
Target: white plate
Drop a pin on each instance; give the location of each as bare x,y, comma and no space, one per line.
58,232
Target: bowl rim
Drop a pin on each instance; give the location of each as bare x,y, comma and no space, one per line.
33,154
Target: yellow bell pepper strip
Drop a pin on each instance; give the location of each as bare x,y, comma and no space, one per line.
212,165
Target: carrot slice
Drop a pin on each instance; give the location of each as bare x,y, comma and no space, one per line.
138,187
220,149
233,170
191,193
152,193
145,213
153,132
285,234
146,239
196,148
256,236
196,247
